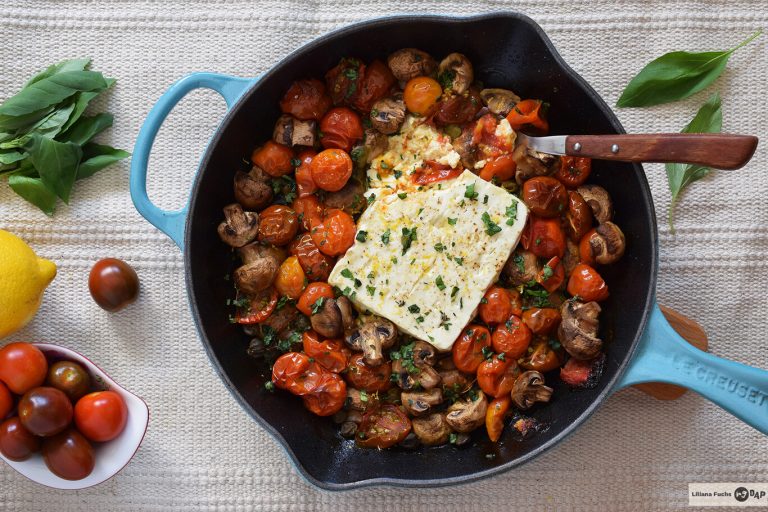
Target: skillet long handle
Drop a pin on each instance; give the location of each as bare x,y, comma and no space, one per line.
717,150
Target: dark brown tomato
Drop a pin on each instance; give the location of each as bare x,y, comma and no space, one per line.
545,196
45,411
278,225
376,83
113,284
16,442
345,81
541,320
69,377
578,219
458,109
368,378
69,455
306,99
383,427
317,266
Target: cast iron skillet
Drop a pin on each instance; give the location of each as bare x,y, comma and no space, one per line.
507,50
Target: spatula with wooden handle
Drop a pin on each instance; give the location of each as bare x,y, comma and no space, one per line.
717,150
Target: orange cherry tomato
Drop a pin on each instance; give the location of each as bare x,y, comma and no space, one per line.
331,169
574,170
502,168
6,401
335,234
311,294
101,416
552,275
541,358
383,427
22,367
587,284
467,352
340,128
328,396
541,320
496,305
305,185
309,211
368,378
278,225
295,372
317,266
585,248
306,99
512,337
259,308
421,95
432,172
496,377
494,416
290,278
528,113
329,354
544,237
275,159
377,82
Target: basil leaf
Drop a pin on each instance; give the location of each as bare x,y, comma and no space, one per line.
675,76
34,191
709,119
52,90
56,162
96,157
52,124
81,102
14,123
86,128
61,67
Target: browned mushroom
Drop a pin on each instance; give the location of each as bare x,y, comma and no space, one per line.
454,383
259,269
424,354
455,73
571,257
420,402
409,63
347,313
598,200
252,189
468,414
578,329
294,132
499,101
372,335
531,163
432,430
239,227
522,267
327,320
607,243
529,388
374,143
284,322
360,400
388,114
409,377
350,198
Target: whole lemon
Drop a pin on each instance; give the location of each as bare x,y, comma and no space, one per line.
23,278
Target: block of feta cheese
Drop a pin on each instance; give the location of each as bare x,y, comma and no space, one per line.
429,255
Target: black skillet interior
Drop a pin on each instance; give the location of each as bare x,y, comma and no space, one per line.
507,50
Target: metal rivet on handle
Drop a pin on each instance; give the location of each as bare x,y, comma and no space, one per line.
615,148
577,146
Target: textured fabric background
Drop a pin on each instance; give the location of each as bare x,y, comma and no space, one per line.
201,450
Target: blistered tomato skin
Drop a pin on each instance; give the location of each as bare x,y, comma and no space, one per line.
113,284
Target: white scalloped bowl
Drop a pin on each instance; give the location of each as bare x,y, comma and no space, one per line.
111,456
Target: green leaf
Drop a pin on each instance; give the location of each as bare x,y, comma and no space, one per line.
33,190
52,90
96,157
61,67
56,162
86,128
11,156
709,119
81,102
52,124
675,76
14,123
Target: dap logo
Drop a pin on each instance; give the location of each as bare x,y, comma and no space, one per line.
742,494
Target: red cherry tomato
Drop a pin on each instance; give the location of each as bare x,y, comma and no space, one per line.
494,416
544,237
458,109
260,307
502,168
496,306
541,320
587,284
551,275
309,210
305,185
113,284
341,129
545,196
22,367
585,248
16,442
45,411
511,338
467,352
528,113
6,401
311,294
574,170
376,83
432,172
329,354
331,169
335,234
496,377
345,80
368,378
306,99
541,358
288,370
101,416
69,455
383,427
317,266
275,159
278,225
328,396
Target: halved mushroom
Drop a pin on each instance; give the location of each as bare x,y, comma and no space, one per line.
607,244
432,430
347,313
467,150
252,189
529,388
375,143
456,73
388,114
424,376
468,414
349,198
531,163
578,329
499,101
522,267
294,132
420,402
327,321
259,269
409,63
372,335
598,200
423,354
239,227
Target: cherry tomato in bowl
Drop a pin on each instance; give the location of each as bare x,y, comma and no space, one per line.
101,416
22,367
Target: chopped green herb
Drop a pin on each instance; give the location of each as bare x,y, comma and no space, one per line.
409,236
371,198
439,282
385,237
519,262
452,222
453,437
281,302
347,273
398,174
269,386
402,195
371,290
413,308
483,301
439,247
362,236
491,228
454,291
511,213
317,305
546,272
358,283
485,199
470,193
458,260
363,396
384,165
420,319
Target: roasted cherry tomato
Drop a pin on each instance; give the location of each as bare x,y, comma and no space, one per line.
69,455
22,367
341,129
376,83
432,172
328,396
290,278
587,283
330,354
552,275
317,266
368,378
528,113
45,411
383,427
468,350
305,185
585,248
113,284
421,94
16,442
6,401
275,159
494,416
345,80
331,169
544,237
574,170
309,210
458,109
545,196
541,358
511,338
69,377
259,308
311,294
578,220
541,320
496,306
101,416
496,377
485,137
335,234
306,99
287,371
502,168
278,225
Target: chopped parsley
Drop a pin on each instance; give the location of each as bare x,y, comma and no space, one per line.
452,222
295,162
371,290
384,165
358,283
511,213
269,386
347,273
546,272
362,236
439,247
282,301
458,260
385,237
363,396
405,355
454,291
439,282
419,319
491,228
470,193
413,308
409,235
485,199
371,198
518,259
317,305
446,78
487,352
402,195
398,174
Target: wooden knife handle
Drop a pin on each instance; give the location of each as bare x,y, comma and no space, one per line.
717,150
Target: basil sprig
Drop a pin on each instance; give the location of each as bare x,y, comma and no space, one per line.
676,75
46,141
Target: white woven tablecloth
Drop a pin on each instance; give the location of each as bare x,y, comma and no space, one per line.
201,450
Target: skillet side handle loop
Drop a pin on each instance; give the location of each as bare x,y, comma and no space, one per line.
663,356
172,222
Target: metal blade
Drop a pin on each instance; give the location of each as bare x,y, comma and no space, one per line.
554,145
